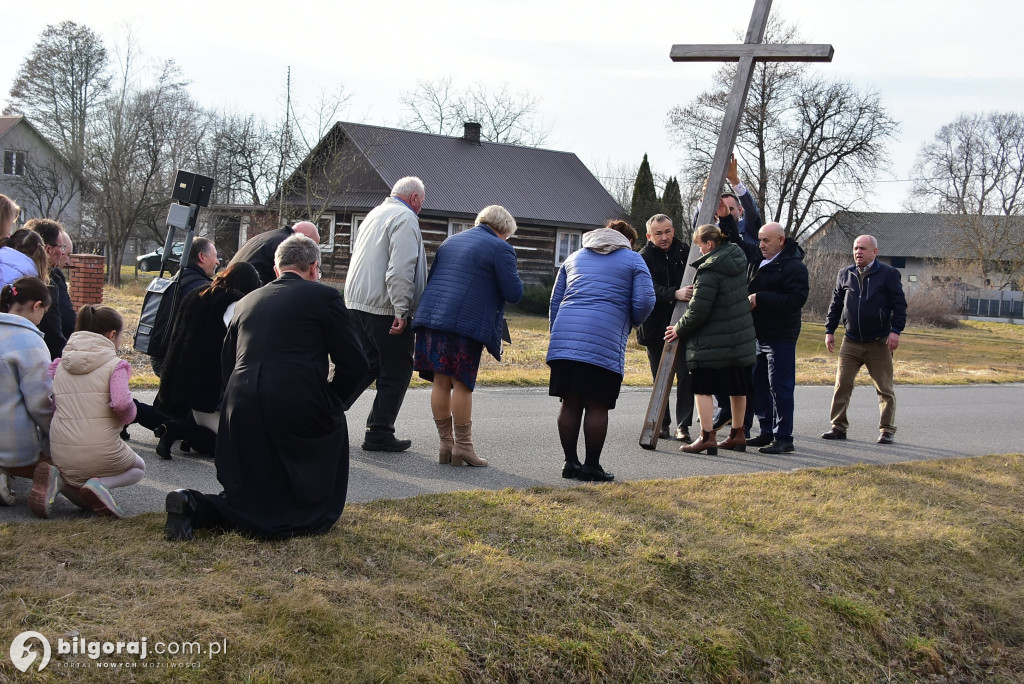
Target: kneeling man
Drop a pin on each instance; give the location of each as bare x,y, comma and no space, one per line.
282,447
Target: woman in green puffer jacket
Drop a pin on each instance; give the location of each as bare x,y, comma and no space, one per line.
719,335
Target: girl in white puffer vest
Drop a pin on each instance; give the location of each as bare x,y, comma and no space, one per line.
92,403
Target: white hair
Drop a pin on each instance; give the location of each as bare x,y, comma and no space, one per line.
298,251
407,186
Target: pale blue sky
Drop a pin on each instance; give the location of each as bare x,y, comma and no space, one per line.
601,69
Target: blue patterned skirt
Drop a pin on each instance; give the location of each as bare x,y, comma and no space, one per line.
446,353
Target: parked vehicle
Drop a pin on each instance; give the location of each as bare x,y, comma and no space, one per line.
151,261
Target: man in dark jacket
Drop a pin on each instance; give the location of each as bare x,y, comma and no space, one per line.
198,272
259,249
665,257
282,448
778,288
869,298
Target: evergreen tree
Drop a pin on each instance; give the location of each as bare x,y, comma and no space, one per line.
672,206
645,201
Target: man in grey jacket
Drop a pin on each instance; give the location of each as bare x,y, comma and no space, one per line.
385,280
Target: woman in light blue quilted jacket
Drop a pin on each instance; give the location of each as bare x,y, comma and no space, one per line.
603,291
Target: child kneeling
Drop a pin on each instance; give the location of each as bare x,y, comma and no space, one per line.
92,403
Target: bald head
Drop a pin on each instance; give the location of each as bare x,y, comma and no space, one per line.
308,229
771,239
865,249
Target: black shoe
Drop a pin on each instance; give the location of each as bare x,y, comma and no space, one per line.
124,433
169,433
385,443
185,446
722,422
594,474
763,439
885,437
664,434
777,447
683,435
834,434
571,470
181,515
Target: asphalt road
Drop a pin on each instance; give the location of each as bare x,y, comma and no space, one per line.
514,428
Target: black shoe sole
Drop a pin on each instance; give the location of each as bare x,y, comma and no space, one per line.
783,450
180,516
396,447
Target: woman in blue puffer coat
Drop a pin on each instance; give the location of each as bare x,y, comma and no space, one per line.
603,291
473,275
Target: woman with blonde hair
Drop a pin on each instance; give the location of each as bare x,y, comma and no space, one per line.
474,274
9,212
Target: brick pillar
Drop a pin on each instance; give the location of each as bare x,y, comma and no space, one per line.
85,280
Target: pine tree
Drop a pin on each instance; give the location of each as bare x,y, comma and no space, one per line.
672,205
645,201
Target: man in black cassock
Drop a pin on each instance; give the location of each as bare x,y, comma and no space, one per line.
282,446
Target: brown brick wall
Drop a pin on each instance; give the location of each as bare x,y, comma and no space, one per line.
85,279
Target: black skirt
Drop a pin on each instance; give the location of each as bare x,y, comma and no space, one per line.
732,381
585,379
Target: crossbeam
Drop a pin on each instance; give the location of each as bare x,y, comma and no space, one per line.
771,52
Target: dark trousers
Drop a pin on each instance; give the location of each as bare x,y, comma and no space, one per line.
684,397
390,358
774,385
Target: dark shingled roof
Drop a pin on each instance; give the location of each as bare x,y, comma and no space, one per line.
461,177
899,235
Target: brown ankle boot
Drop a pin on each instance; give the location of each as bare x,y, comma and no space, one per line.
737,440
707,440
444,431
463,450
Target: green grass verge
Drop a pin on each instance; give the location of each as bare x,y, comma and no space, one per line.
902,573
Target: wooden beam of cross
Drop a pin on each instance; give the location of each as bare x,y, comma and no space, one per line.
750,52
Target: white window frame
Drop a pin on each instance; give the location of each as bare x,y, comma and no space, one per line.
357,221
328,244
574,236
459,225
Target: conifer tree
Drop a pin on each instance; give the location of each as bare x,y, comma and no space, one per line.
645,201
672,206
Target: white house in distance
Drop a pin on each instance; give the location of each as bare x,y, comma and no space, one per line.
37,176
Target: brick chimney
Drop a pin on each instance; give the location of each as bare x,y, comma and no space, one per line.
471,133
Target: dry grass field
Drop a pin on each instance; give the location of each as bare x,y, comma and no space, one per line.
902,573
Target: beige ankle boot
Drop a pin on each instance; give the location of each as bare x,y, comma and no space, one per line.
463,450
444,431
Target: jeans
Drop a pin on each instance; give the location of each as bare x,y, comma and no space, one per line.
774,385
878,359
390,358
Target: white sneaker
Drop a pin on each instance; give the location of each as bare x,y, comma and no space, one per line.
7,497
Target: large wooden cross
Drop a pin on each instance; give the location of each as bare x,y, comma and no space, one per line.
752,50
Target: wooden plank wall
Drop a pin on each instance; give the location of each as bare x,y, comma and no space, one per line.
534,245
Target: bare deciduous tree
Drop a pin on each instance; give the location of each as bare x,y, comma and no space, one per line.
974,168
130,152
61,83
809,146
504,116
974,165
